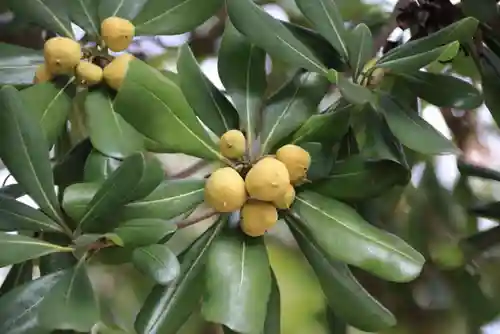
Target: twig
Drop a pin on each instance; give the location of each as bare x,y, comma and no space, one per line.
196,167
192,221
389,27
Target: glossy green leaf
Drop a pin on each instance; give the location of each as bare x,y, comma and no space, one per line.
489,67
77,197
18,275
157,262
85,14
49,14
325,17
242,70
155,106
71,304
19,248
344,294
412,130
273,318
57,261
238,282
99,167
159,17
12,190
282,44
50,103
19,308
167,308
207,101
24,151
144,232
127,9
70,168
18,64
321,160
360,46
290,107
17,216
352,92
108,132
357,242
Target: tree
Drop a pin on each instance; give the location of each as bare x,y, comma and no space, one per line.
82,141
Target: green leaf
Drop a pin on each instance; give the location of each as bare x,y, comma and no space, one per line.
108,132
70,168
49,14
160,17
242,70
325,17
413,131
483,10
71,304
157,262
469,169
99,167
344,294
18,275
290,107
360,46
155,106
144,232
352,92
357,242
281,43
85,14
238,282
321,160
272,324
489,67
57,261
19,248
50,103
18,64
77,197
12,190
127,9
208,102
19,307
17,216
443,90
24,151
167,308
488,210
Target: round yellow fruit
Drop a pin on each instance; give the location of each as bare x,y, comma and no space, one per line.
257,217
42,74
267,180
61,55
232,144
225,190
296,159
117,33
88,72
286,200
115,72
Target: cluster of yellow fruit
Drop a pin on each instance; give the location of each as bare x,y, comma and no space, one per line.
63,56
267,186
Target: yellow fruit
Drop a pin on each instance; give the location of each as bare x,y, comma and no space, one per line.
267,180
42,74
88,72
115,72
61,55
232,144
257,217
225,190
296,159
117,33
286,200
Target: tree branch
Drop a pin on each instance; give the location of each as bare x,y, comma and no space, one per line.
389,27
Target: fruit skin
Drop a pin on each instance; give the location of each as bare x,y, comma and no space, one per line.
286,200
225,190
117,33
90,73
267,180
61,55
115,72
297,161
257,217
232,144
42,74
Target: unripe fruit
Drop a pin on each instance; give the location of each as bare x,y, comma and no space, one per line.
42,74
88,72
117,33
232,144
267,180
61,55
257,217
286,200
115,72
225,190
296,159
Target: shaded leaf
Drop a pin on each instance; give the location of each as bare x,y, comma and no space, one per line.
77,197
157,262
85,14
70,168
483,10
12,190
126,9
360,46
18,275
488,210
99,167
353,92
18,64
489,67
272,324
321,160
469,169
143,232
